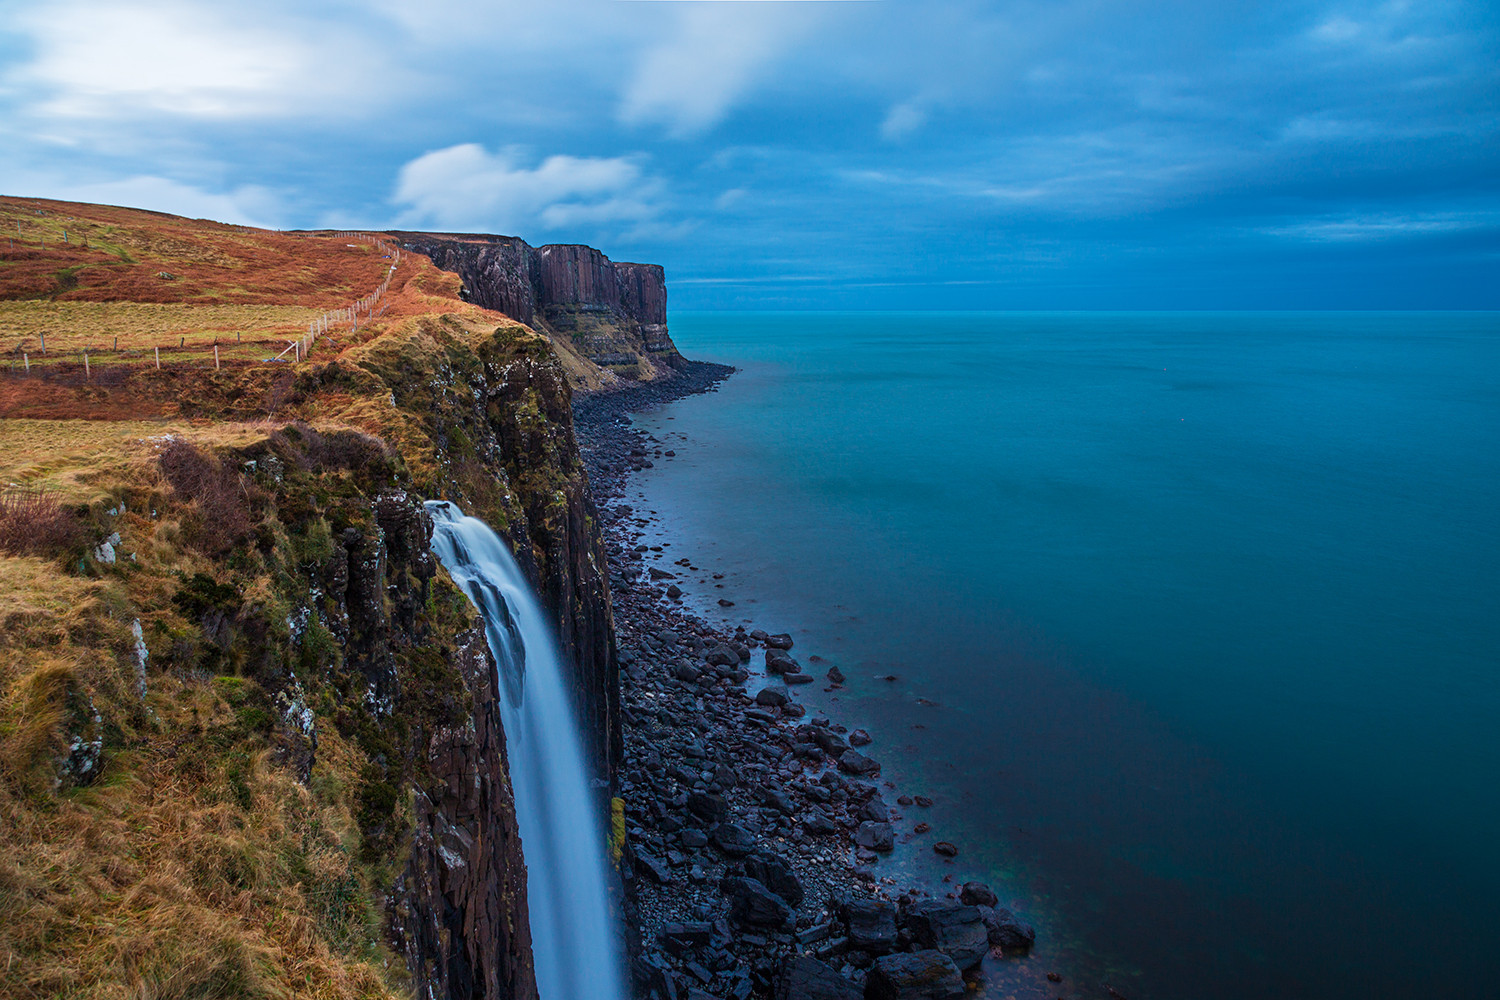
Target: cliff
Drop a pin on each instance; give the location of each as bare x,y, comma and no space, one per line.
612,314
249,741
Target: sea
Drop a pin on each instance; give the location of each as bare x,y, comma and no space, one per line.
1188,623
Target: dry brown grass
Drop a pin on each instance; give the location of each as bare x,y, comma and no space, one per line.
193,867
159,884
119,332
121,254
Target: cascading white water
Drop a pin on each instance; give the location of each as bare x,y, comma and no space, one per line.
572,937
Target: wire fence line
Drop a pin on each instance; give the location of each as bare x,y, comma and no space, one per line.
350,317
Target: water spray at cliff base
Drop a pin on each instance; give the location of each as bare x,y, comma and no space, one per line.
572,936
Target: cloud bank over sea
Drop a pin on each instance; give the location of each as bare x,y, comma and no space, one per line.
806,155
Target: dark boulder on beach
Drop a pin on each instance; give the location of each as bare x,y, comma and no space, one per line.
779,661
954,929
771,697
871,925
818,824
978,894
674,591
799,678
752,903
920,975
807,978
708,807
946,849
721,656
854,762
661,574
835,675
1006,931
733,840
775,873
875,836
782,641
860,738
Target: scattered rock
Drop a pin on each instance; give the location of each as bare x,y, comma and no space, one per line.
978,894
920,975
946,849
754,905
807,978
876,837
733,840
956,930
871,925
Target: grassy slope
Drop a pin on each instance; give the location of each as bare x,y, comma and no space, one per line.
193,865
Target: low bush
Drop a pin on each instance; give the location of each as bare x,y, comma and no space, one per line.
33,523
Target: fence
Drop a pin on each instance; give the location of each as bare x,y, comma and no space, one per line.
350,316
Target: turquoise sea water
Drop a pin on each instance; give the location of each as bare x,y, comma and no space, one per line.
1194,619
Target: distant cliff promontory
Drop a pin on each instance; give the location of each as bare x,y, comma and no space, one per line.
612,314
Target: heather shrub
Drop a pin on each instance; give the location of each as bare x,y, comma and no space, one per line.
33,523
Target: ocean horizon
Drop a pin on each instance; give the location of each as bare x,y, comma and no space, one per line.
1188,621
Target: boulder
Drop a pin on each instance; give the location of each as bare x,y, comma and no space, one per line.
799,678
734,841
775,874
708,807
860,738
854,762
872,925
781,662
876,837
829,741
818,824
781,641
752,904
835,675
805,978
1005,931
919,975
771,697
954,929
721,656
978,894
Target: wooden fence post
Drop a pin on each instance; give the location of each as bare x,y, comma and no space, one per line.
216,357
158,357
26,358
44,343
86,374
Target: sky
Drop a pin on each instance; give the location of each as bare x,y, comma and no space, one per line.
866,154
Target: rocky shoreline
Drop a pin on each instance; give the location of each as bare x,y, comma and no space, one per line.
753,828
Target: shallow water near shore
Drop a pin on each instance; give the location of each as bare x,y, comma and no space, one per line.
1193,618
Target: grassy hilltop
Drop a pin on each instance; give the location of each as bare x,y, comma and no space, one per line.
223,660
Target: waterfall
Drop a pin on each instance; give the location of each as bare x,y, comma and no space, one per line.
573,939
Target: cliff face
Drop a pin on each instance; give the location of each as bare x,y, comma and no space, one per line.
615,315
232,628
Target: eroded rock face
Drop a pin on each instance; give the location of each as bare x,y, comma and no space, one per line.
460,907
615,314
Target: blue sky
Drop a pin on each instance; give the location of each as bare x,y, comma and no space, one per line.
1098,154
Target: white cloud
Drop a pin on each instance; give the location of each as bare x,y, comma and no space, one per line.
249,205
123,60
1369,228
717,52
467,187
903,119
